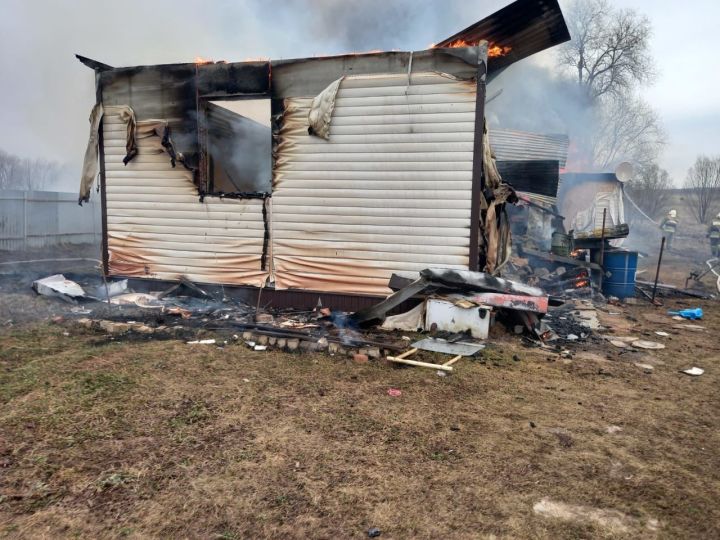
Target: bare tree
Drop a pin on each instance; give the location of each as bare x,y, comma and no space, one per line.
26,173
609,50
608,59
626,128
703,181
650,190
8,169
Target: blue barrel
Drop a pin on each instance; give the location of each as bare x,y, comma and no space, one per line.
621,265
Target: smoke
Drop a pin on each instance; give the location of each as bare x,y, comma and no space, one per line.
47,94
533,95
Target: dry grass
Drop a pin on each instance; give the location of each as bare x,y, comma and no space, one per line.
164,439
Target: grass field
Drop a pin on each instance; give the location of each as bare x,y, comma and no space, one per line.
160,439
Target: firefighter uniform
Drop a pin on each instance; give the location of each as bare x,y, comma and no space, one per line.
714,236
669,228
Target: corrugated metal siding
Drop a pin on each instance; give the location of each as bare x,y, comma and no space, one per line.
36,219
539,177
158,228
511,145
526,26
390,191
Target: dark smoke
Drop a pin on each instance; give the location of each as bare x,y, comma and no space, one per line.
47,94
534,96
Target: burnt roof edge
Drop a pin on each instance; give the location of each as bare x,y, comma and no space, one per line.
93,64
467,54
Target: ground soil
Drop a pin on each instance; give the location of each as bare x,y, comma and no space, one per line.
138,438
121,438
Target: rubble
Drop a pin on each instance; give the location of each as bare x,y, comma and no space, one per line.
456,308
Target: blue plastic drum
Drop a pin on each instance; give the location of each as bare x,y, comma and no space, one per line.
621,265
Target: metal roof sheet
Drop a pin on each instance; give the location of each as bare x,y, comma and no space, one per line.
511,145
536,176
525,26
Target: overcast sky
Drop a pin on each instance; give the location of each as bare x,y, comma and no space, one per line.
47,94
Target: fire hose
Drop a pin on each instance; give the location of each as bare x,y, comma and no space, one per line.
712,265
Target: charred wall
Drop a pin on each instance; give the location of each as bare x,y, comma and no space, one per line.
159,228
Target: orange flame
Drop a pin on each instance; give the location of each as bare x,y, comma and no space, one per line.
201,60
498,50
493,50
458,43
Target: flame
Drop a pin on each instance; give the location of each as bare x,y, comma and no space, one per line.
493,50
201,60
498,50
581,284
459,43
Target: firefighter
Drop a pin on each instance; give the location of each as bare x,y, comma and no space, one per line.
669,227
714,236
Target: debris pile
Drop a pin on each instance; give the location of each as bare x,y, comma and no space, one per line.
455,308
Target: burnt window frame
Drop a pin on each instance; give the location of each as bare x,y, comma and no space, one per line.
204,177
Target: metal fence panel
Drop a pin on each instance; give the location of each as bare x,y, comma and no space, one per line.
36,219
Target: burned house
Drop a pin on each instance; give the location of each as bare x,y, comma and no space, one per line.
317,174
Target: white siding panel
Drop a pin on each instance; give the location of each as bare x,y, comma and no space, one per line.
390,191
158,228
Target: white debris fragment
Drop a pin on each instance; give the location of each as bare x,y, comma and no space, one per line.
260,348
647,368
57,285
661,333
694,371
642,344
201,342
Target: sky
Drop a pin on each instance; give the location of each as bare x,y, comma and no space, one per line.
47,94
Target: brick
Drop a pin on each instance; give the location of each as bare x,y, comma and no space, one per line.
87,323
113,327
359,358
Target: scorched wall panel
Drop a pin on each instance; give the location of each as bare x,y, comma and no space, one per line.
389,191
158,228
